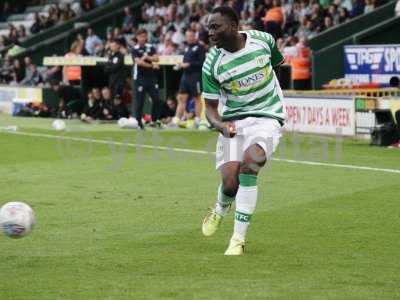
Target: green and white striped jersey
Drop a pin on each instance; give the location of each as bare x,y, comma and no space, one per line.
244,81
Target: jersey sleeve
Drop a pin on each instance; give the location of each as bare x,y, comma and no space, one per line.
276,55
211,86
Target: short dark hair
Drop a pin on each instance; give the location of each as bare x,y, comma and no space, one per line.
227,11
141,31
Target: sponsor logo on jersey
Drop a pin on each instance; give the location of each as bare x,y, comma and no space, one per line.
248,81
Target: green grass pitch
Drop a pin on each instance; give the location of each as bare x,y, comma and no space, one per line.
119,222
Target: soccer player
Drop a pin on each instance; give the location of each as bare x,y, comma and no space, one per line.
238,75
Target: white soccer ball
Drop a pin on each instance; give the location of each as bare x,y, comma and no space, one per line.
17,219
132,123
122,122
128,123
58,125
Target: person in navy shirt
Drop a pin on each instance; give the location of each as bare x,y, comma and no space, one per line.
145,78
190,84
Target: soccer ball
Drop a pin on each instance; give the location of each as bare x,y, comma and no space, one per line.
17,219
128,123
59,125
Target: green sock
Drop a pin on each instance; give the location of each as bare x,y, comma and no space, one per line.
223,202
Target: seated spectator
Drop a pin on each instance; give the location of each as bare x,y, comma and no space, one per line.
6,70
18,72
13,35
21,32
69,100
97,95
119,110
369,6
334,14
343,15
92,40
328,23
69,12
357,9
92,109
128,23
106,104
32,76
168,110
37,25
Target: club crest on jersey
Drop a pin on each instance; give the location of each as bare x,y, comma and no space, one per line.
262,60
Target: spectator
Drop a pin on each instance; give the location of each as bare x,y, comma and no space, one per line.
32,76
92,109
128,24
328,23
334,14
13,35
69,100
357,8
3,42
6,70
115,69
37,25
18,71
168,110
106,104
343,15
369,6
21,32
145,78
97,94
91,41
190,84
69,12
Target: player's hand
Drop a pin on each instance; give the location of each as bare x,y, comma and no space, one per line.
228,129
156,66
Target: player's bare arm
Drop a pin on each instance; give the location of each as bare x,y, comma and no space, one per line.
226,128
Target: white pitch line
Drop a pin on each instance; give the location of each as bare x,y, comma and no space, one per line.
290,161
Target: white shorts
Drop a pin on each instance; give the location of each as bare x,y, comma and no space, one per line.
250,131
